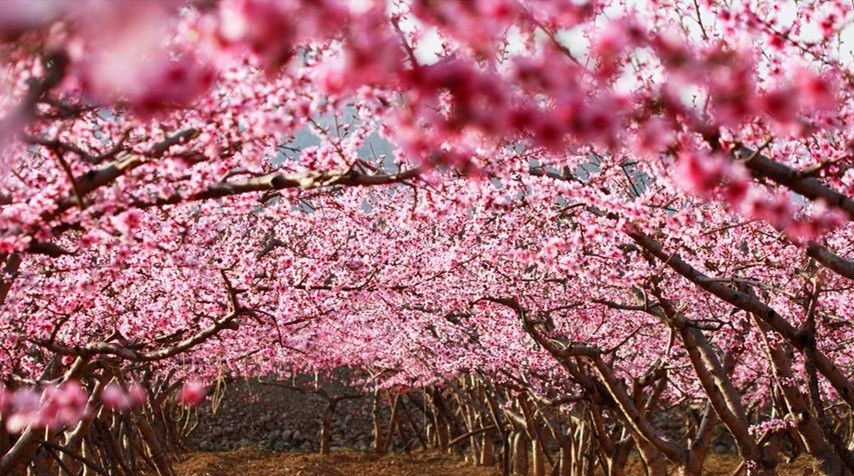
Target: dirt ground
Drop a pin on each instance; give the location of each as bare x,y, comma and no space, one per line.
251,462
340,463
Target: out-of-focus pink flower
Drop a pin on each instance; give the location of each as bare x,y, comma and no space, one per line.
561,13
699,172
271,29
729,76
70,401
610,43
651,138
265,27
778,210
126,58
55,406
192,393
164,82
371,56
22,16
814,90
498,10
136,394
21,409
174,82
780,104
813,227
114,398
737,185
11,244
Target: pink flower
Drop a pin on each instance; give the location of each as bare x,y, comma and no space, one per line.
21,16
700,172
813,227
22,409
11,244
271,29
136,394
780,104
114,398
170,83
126,58
736,188
70,401
778,211
813,90
263,26
55,406
127,222
652,138
498,10
192,393
611,41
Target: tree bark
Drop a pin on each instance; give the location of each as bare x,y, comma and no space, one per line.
487,449
520,454
326,426
539,458
376,413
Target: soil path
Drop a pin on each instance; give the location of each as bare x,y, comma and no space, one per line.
341,463
251,462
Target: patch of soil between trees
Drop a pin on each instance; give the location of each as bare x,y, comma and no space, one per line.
340,463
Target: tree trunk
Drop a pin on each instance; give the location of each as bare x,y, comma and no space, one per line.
379,444
565,458
520,454
158,453
487,449
392,425
539,458
652,458
326,427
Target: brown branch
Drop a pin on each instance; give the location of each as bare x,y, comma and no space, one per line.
57,64
747,303
831,261
97,178
278,181
616,389
108,348
761,166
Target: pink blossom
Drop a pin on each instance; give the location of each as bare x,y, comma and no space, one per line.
21,409
136,394
53,407
267,191
128,60
22,16
127,222
192,393
814,90
781,104
652,138
70,401
265,27
114,398
701,172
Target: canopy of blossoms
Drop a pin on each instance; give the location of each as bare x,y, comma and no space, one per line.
590,202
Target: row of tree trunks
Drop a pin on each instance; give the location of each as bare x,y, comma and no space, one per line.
142,439
507,424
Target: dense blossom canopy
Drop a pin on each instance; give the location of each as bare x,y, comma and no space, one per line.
426,189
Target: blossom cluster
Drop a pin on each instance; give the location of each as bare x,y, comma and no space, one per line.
54,406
